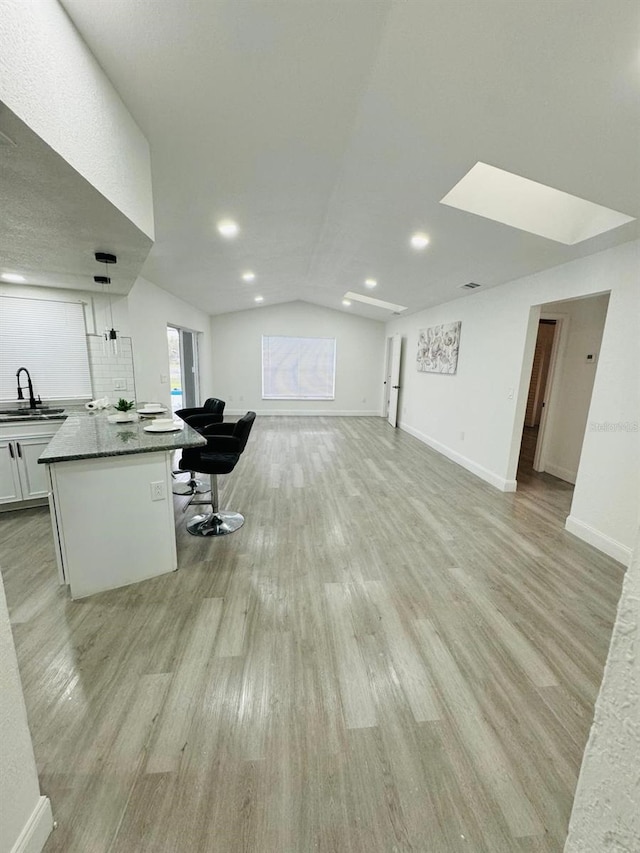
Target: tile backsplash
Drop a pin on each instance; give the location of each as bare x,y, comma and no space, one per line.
109,371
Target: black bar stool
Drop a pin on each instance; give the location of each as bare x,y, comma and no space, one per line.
225,444
199,417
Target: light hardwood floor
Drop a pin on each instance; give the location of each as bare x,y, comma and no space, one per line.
390,655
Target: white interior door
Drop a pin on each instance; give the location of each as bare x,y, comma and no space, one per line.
394,379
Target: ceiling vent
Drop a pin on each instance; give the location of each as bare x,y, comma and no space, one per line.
470,286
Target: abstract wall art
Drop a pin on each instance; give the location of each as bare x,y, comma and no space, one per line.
438,348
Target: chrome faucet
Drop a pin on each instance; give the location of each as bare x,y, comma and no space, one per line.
32,400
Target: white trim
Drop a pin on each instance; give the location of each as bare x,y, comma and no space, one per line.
314,413
599,540
562,473
459,459
36,830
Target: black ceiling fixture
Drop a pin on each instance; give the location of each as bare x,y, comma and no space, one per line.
110,336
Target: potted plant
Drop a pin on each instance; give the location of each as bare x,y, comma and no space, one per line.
123,412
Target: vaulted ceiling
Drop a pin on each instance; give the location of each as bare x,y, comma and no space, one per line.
330,130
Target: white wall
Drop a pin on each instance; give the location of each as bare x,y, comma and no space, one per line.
496,351
50,80
237,358
606,813
97,312
24,814
142,315
104,369
150,309
568,405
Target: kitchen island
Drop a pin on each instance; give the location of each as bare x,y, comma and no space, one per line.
111,501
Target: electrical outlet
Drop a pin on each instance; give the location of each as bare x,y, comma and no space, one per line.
164,378
510,394
461,436
241,398
157,491
119,384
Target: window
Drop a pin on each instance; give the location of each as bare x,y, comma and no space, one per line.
298,368
49,339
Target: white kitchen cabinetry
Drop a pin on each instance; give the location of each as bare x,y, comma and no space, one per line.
21,478
10,489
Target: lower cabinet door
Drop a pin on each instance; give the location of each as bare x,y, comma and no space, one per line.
33,477
9,479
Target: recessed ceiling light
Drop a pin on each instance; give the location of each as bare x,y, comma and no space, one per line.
377,303
258,298
370,282
530,206
13,277
228,228
346,302
419,240
248,276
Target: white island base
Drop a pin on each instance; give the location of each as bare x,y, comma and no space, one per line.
113,521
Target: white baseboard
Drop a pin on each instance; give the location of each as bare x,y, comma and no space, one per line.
560,472
458,458
36,830
304,413
599,540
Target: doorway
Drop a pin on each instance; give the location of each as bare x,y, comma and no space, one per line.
533,430
561,385
183,367
392,379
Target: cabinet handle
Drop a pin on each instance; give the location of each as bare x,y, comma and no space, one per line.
13,456
19,449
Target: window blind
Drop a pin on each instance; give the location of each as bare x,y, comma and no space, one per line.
298,368
49,339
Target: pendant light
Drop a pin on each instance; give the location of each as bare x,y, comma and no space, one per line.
110,335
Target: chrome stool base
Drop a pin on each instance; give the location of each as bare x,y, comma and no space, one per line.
217,523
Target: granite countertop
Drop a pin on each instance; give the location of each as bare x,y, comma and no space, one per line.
89,435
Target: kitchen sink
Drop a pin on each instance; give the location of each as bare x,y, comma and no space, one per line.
30,413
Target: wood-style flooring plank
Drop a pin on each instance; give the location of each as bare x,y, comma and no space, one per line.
479,737
175,717
355,692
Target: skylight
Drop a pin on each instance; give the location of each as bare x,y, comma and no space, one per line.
377,303
530,206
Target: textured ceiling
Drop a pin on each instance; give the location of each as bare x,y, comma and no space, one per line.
53,220
331,130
